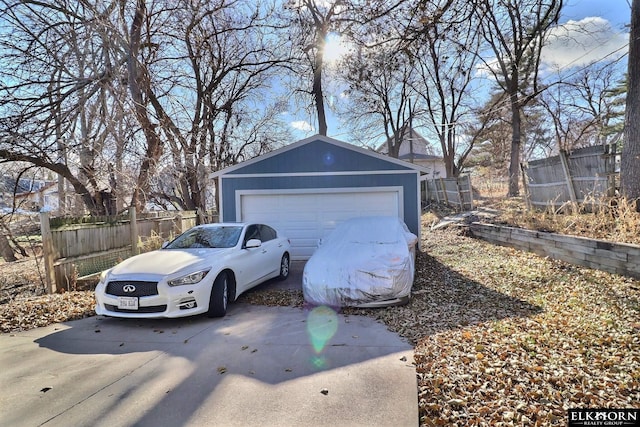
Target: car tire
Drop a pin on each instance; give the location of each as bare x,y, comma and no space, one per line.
219,296
285,264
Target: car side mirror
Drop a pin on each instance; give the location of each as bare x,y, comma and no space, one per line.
253,243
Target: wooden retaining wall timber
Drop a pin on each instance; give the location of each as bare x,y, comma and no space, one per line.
618,258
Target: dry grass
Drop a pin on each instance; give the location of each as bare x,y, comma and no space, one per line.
617,222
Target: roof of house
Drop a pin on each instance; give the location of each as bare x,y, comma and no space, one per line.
421,147
8,184
419,156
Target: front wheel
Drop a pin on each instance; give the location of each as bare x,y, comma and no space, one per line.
219,296
284,267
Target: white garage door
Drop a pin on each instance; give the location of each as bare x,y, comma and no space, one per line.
305,218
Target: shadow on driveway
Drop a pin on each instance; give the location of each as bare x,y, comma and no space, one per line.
262,366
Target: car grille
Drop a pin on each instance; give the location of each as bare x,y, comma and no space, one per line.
149,309
142,289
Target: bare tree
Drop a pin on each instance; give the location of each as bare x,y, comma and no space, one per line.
380,94
312,21
56,103
587,108
446,52
383,74
211,110
515,32
109,94
630,162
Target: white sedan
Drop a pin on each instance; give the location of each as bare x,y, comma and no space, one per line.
364,262
200,271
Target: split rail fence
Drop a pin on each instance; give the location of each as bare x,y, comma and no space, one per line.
80,251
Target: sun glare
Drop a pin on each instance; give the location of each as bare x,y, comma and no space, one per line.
334,48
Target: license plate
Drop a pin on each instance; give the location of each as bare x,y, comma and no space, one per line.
128,303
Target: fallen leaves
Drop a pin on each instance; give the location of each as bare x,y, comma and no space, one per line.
25,313
501,337
573,345
273,298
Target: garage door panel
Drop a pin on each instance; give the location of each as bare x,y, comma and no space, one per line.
301,233
305,218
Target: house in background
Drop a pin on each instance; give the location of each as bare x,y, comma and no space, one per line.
417,150
28,194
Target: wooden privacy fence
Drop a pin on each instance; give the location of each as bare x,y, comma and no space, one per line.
583,175
456,192
79,251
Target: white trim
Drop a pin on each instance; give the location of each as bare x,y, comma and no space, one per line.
419,197
322,138
332,190
347,173
220,200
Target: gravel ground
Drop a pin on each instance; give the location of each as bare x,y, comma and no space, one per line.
501,337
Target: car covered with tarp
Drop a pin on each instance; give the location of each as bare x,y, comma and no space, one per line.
363,262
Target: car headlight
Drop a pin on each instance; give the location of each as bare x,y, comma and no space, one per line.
103,277
189,279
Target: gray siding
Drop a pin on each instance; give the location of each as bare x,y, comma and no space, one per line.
318,156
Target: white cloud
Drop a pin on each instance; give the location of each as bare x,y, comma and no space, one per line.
578,43
302,125
487,69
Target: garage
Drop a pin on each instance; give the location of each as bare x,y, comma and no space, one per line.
306,217
307,188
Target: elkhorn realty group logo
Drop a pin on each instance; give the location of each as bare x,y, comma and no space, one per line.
604,417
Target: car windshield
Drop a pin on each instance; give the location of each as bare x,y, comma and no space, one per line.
223,236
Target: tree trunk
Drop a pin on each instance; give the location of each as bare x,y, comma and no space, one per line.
317,94
139,84
630,160
514,163
6,250
317,83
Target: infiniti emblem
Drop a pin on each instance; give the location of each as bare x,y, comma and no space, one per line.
129,288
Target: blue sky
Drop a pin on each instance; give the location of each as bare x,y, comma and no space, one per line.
589,30
617,12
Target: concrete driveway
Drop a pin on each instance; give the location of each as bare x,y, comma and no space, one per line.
258,366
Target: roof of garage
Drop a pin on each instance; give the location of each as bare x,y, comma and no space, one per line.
318,154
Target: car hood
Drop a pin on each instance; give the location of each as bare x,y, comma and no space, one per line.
167,261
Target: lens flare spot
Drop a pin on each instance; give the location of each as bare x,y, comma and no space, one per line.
322,325
328,159
319,362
